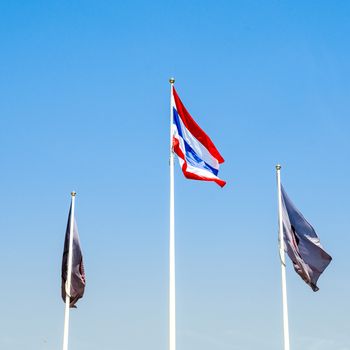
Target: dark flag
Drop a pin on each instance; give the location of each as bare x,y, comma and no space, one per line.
78,273
302,244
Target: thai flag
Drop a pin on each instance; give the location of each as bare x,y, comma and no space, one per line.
198,157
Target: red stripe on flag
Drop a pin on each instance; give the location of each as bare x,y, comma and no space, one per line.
189,175
195,129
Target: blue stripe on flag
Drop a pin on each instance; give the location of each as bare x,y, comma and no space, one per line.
191,156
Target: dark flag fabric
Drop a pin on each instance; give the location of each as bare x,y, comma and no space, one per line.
302,244
78,273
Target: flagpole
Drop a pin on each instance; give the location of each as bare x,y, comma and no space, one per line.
172,318
283,261
69,274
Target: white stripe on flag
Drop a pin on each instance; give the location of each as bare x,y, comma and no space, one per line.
191,169
199,149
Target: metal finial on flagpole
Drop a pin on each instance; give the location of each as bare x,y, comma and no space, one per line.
172,80
278,167
73,193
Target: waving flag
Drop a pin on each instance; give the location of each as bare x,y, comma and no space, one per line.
198,156
302,243
78,273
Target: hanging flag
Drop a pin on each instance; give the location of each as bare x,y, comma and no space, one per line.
198,156
302,244
78,272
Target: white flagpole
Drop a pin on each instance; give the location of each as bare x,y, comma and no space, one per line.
172,318
283,261
69,275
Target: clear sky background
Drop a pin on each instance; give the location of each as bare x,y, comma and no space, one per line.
84,105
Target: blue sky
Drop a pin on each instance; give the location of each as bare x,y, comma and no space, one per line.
85,106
